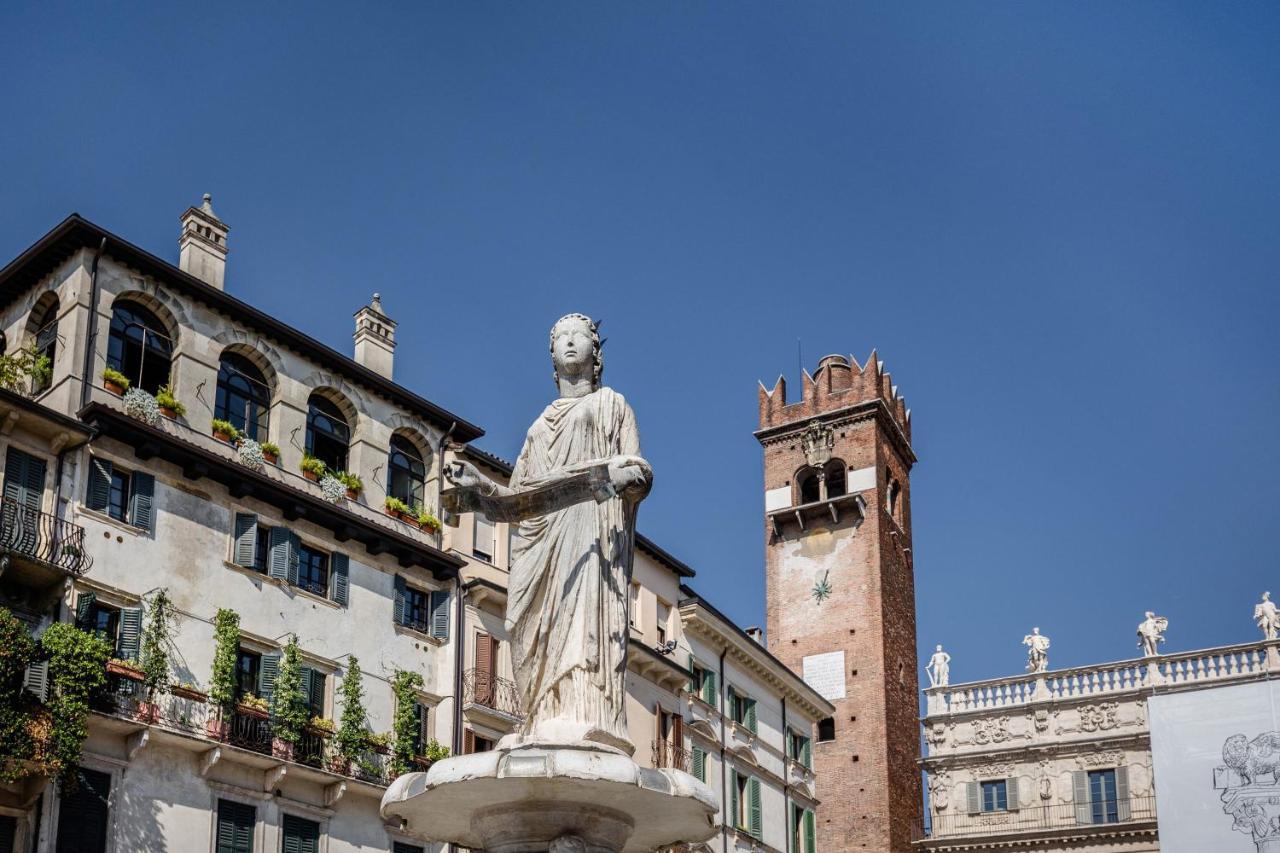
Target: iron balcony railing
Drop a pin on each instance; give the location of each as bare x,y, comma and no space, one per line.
43,537
671,756
484,688
1074,816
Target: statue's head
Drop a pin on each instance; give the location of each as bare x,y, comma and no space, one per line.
1150,615
939,646
1266,596
1035,630
575,348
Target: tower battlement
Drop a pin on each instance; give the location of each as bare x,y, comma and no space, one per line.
839,382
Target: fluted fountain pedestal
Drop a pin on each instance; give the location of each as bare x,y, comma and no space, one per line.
560,799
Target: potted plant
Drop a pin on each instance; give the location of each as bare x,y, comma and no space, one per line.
320,727
222,683
396,508
115,382
270,452
224,430
432,752
379,742
428,521
169,405
125,669
312,468
290,708
352,482
187,690
253,706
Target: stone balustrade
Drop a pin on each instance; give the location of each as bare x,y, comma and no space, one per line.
1223,664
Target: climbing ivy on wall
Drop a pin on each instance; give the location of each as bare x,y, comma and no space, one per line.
155,645
290,708
226,639
77,673
353,730
404,685
17,705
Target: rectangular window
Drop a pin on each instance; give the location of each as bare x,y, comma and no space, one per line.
313,570
742,710
315,698
483,744
417,609
995,796
125,496
248,673
82,814
401,847
235,827
118,502
633,612
799,749
704,684
483,541
664,618
300,835
1102,796
742,784
262,549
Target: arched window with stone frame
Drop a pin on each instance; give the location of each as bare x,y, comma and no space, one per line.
328,432
42,328
808,486
138,346
243,396
406,471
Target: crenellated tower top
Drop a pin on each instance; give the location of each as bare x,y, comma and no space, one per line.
838,383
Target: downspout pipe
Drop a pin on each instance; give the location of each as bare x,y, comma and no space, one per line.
786,773
724,770
90,346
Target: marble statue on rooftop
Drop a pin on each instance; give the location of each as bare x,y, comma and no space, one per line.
1037,651
574,490
1151,634
939,668
1267,617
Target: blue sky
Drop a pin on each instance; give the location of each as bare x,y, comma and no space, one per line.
1056,222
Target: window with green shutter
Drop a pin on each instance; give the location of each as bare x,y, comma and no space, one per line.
235,827
244,541
440,614
401,847
82,814
339,566
127,646
755,823
125,496
810,831
299,835
23,479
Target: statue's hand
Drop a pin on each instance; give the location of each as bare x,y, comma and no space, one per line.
631,475
464,475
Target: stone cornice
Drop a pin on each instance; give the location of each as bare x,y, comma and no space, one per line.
866,410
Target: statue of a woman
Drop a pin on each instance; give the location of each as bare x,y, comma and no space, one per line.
571,565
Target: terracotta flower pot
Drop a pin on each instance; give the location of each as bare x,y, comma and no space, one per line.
148,712
381,748
250,711
171,414
222,436
394,513
124,671
312,476
189,693
282,749
113,387
340,765
271,458
216,728
352,494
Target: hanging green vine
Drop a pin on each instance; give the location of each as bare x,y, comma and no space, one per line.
77,673
353,730
290,708
155,646
17,705
226,640
404,686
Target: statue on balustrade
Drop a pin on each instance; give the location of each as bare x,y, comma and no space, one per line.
574,491
1037,651
939,668
1267,617
1151,634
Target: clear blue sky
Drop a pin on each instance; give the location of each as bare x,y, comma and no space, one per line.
1058,223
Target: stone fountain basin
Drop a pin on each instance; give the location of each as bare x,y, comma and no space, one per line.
521,800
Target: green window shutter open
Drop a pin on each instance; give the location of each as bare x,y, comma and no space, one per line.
295,544
735,809
246,540
142,491
23,478
1080,793
267,671
806,754
398,597
100,471
440,614
317,692
810,832
36,681
306,679
279,559
340,566
130,633
84,610
752,725
300,835
1123,810
235,827
709,692
754,816
699,764
731,703
693,682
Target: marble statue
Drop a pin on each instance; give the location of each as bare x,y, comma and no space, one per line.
574,491
1037,651
1267,617
940,790
939,668
1151,634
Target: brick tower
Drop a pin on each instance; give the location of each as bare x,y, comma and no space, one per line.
841,594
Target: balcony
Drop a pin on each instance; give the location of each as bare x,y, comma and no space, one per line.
482,690
670,756
41,541
1135,813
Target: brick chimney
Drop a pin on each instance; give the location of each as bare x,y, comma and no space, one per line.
202,248
375,338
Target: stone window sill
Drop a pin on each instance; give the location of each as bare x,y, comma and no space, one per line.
111,520
418,635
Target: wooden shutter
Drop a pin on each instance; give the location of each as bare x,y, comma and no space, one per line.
246,540
973,797
699,765
339,564
300,835
753,798
23,478
306,678
440,614
235,827
316,694
709,693
99,495
1080,790
82,814
419,728
268,669
1123,810
142,490
295,545
1011,793
398,614
130,633
84,610
752,725
806,753
468,741
810,832
36,681
279,558
677,731
483,681
735,808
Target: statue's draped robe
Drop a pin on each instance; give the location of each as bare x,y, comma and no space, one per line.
571,576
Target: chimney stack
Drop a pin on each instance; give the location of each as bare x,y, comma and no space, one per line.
202,248
375,338
756,633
